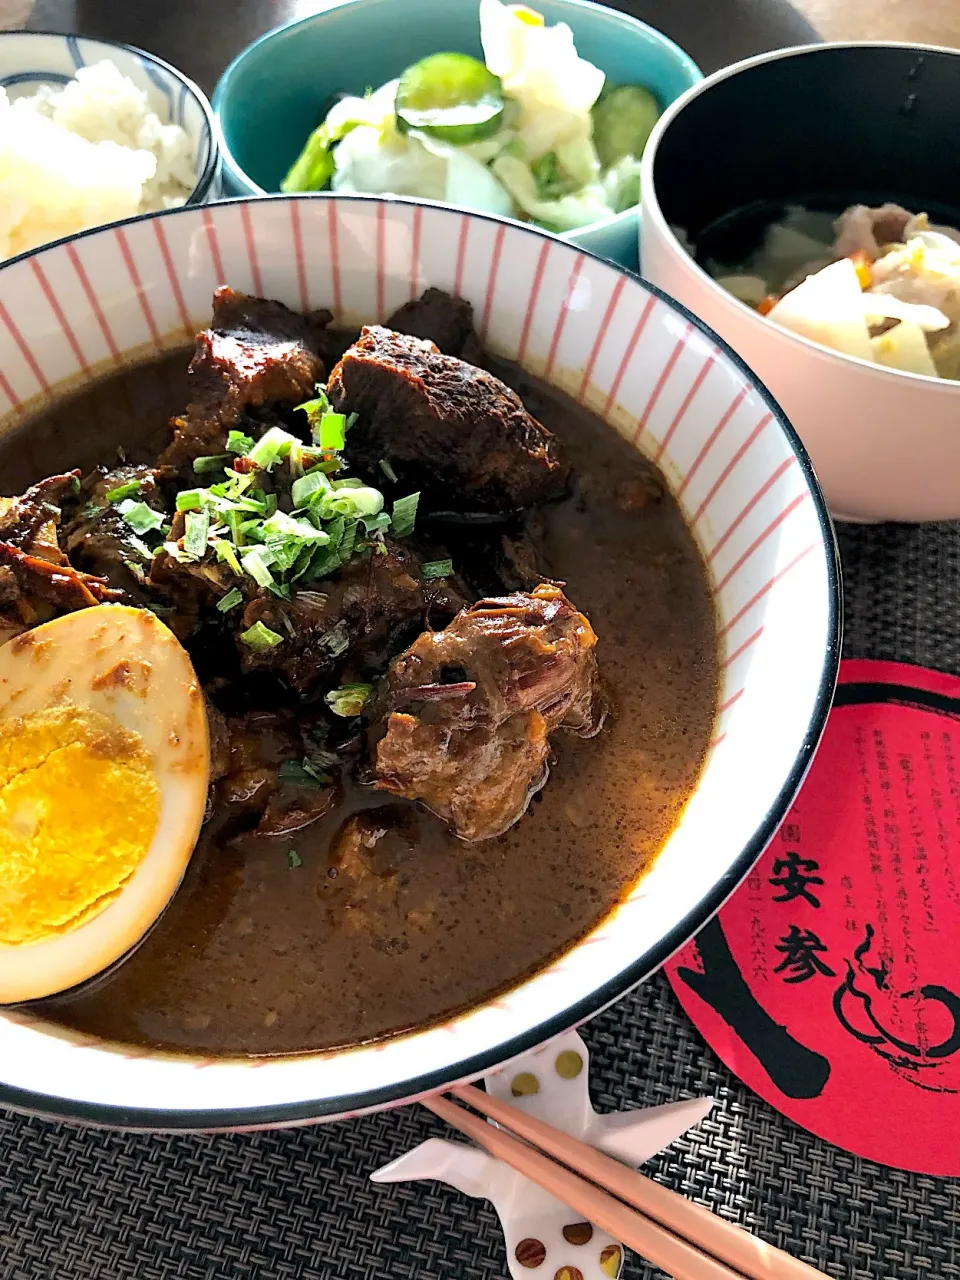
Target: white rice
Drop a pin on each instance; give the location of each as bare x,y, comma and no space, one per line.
86,154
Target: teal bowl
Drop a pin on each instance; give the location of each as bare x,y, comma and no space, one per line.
273,94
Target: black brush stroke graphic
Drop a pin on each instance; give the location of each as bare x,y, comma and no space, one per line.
859,693
798,1072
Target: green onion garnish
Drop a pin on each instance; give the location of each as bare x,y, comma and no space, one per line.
237,442
260,638
141,518
292,774
191,499
235,525
387,470
331,431
294,860
356,501
230,600
123,491
195,534
272,447
227,554
140,547
305,488
337,639
436,569
316,408
405,515
377,523
92,511
349,699
254,563
212,462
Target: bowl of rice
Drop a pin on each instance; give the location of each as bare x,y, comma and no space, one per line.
92,132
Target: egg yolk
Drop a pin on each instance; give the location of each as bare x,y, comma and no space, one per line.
79,807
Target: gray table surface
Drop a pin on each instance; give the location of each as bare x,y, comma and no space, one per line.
296,1205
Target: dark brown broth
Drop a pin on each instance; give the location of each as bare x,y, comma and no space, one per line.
256,956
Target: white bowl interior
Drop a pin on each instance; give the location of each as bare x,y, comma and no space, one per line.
29,59
613,343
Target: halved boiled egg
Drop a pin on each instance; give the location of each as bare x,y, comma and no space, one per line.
104,768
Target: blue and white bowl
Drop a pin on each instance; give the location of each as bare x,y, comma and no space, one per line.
30,59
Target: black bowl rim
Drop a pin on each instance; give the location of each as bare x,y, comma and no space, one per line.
650,201
205,178
279,1114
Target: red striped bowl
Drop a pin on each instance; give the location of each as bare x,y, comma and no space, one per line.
657,376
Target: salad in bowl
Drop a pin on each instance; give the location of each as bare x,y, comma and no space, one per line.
534,131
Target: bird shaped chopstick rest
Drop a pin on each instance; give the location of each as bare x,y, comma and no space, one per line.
543,1237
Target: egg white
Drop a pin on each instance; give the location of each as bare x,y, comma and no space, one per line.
123,663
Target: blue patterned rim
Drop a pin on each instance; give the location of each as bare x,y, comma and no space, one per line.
160,74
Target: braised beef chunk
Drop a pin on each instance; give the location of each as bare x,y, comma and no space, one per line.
254,787
358,618
453,431
466,713
30,521
99,540
37,580
444,320
256,353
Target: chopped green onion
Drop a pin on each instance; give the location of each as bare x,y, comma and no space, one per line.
237,442
356,501
230,600
292,774
323,562
405,515
141,518
123,491
254,563
331,431
140,547
280,525
337,639
260,638
75,483
294,859
227,555
377,523
212,462
304,488
271,448
351,419
388,470
348,541
195,534
92,511
436,569
349,699
316,408
235,525
191,499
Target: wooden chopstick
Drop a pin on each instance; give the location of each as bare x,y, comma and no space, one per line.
713,1239
725,1240
668,1252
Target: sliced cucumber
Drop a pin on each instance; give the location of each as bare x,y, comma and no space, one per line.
623,119
450,96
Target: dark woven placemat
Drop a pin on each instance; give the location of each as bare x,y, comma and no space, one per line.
296,1205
